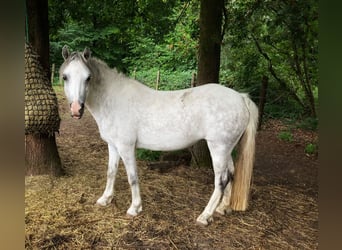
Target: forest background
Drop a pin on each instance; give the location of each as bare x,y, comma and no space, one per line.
273,41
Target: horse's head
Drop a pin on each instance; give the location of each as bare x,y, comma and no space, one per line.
76,75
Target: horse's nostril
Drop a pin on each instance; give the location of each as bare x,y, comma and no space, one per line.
77,109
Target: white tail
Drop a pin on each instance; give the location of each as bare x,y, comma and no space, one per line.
244,164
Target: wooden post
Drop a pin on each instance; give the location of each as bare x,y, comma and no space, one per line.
158,79
262,100
52,73
193,80
134,72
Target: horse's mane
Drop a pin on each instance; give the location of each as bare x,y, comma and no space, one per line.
97,66
101,69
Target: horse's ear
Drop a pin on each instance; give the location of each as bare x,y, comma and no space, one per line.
86,53
65,52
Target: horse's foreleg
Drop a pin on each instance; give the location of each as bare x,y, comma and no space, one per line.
113,164
128,157
219,157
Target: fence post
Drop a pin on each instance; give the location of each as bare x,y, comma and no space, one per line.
52,73
134,72
193,80
158,79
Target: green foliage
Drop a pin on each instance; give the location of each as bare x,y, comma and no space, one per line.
309,123
148,155
126,34
177,51
285,136
310,149
278,39
152,35
169,80
56,82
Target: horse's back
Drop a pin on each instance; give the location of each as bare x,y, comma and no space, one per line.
179,118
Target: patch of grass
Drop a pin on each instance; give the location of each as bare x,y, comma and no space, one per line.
310,148
148,155
309,123
58,89
286,136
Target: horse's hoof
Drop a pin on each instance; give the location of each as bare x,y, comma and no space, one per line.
131,216
201,223
219,212
132,212
223,211
203,220
103,202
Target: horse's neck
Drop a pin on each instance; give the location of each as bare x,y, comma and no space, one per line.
107,89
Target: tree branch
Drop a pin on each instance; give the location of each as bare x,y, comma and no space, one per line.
274,74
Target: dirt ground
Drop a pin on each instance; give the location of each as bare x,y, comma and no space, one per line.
60,213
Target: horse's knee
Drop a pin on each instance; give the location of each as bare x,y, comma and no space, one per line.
132,179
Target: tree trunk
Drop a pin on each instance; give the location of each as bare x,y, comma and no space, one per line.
209,63
38,30
210,40
41,154
262,100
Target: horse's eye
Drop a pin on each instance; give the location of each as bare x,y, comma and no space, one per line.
88,78
65,77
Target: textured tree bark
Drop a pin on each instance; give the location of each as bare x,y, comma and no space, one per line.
41,154
209,63
210,41
38,30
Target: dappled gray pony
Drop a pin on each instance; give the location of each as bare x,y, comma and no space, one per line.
130,115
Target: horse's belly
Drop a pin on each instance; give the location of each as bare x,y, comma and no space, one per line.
166,142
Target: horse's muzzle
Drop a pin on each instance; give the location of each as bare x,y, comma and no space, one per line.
76,109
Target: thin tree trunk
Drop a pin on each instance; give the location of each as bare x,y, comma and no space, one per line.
262,100
310,95
209,63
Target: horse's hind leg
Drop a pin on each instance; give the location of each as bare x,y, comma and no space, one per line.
224,207
113,163
219,154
